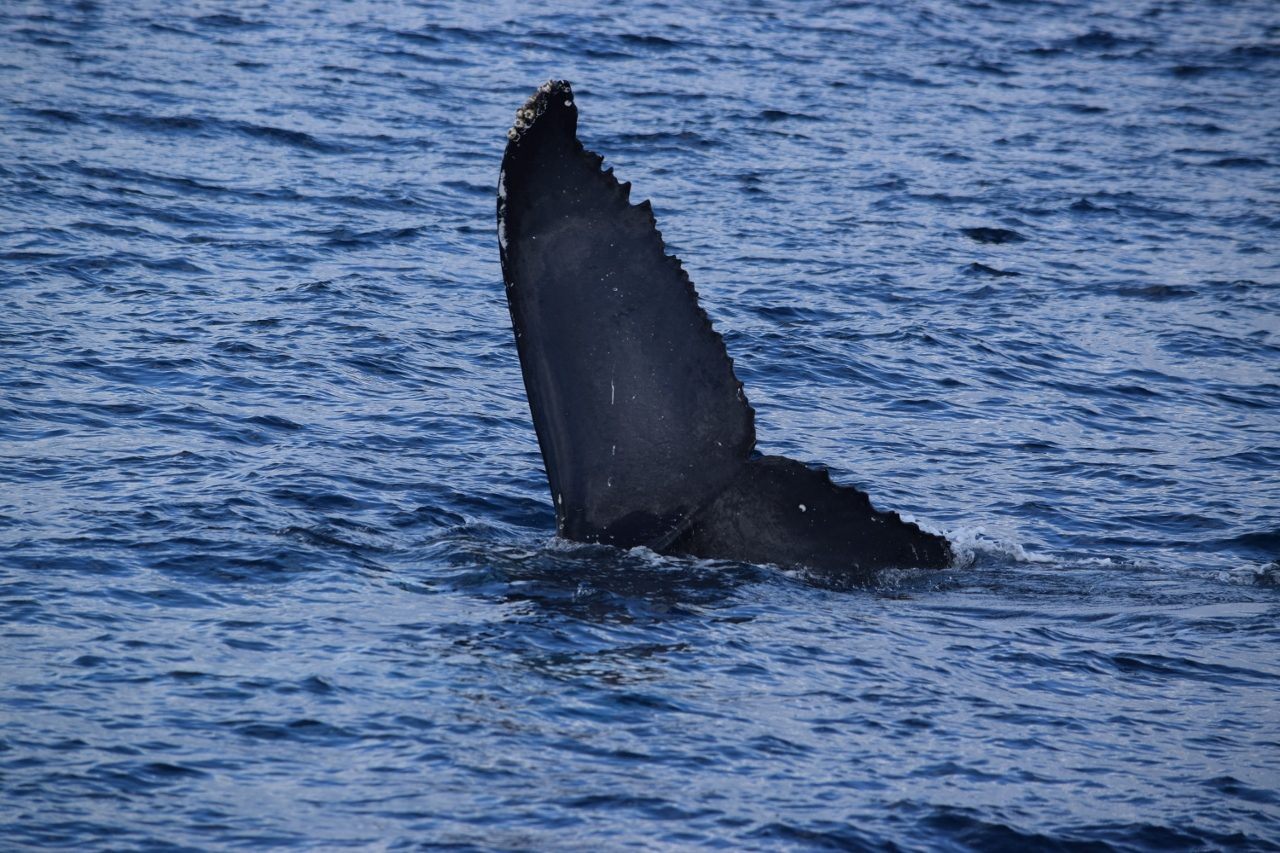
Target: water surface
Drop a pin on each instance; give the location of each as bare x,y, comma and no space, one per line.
275,546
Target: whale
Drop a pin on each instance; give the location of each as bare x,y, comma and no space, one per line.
647,436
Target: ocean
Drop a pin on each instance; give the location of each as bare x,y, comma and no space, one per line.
277,555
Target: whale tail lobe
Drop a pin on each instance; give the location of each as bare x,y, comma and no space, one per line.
645,431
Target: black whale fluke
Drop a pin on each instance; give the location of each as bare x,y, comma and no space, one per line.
645,431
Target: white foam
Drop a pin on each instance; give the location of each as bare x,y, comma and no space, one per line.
1267,574
969,542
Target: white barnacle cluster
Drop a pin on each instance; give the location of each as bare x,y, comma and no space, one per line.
534,107
525,117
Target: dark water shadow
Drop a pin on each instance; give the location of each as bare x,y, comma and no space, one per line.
590,582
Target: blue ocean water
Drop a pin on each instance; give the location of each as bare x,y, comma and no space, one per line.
276,555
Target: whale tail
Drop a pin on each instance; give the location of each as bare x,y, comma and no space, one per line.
645,431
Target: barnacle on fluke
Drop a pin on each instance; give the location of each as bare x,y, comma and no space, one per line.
536,105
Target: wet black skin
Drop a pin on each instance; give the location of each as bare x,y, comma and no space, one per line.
645,431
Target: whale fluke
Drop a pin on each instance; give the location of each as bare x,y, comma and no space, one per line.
645,431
